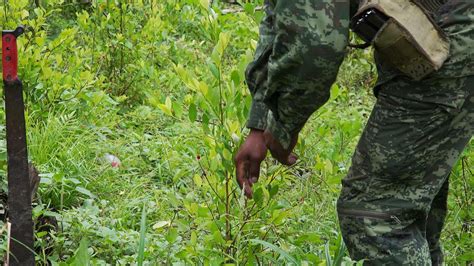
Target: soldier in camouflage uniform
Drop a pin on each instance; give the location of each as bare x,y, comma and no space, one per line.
393,201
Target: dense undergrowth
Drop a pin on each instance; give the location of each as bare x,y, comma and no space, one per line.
160,85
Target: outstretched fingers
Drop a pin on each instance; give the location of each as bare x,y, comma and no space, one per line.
242,173
248,159
254,171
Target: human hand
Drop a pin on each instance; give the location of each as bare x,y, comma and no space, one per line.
284,156
248,160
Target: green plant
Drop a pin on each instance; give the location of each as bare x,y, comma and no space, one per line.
160,85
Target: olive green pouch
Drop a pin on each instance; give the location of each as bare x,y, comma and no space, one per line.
409,40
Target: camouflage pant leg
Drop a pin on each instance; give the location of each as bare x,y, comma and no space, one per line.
395,192
436,218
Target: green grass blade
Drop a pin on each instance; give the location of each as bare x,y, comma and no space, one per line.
341,250
141,243
276,249
327,253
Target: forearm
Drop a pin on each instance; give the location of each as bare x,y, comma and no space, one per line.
309,46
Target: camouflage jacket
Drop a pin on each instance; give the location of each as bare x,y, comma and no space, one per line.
301,46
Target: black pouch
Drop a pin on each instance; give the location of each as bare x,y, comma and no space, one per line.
368,23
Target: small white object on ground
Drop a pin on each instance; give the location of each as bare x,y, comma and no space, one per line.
113,160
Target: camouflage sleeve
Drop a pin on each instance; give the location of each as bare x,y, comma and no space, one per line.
256,74
296,63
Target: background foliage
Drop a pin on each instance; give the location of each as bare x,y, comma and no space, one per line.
160,85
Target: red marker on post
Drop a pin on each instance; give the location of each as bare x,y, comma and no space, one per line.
19,193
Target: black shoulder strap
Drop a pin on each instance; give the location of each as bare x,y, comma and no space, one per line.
430,5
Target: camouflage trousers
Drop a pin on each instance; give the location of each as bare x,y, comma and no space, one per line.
393,202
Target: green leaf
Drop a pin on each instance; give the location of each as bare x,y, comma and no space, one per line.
258,196
182,73
41,234
203,212
197,180
276,249
205,122
235,77
52,214
335,91
167,108
220,47
192,112
161,224
85,192
193,239
203,88
81,257
226,154
224,39
178,108
172,235
328,167
204,3
168,103
215,71
273,190
24,14
217,236
309,238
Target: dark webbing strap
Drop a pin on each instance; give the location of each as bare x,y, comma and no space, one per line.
431,5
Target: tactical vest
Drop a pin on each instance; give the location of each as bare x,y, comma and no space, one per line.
404,34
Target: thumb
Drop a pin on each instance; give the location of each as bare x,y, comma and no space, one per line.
248,189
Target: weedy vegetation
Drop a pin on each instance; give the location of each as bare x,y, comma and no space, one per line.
160,85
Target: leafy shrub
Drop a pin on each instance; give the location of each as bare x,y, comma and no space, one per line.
160,85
